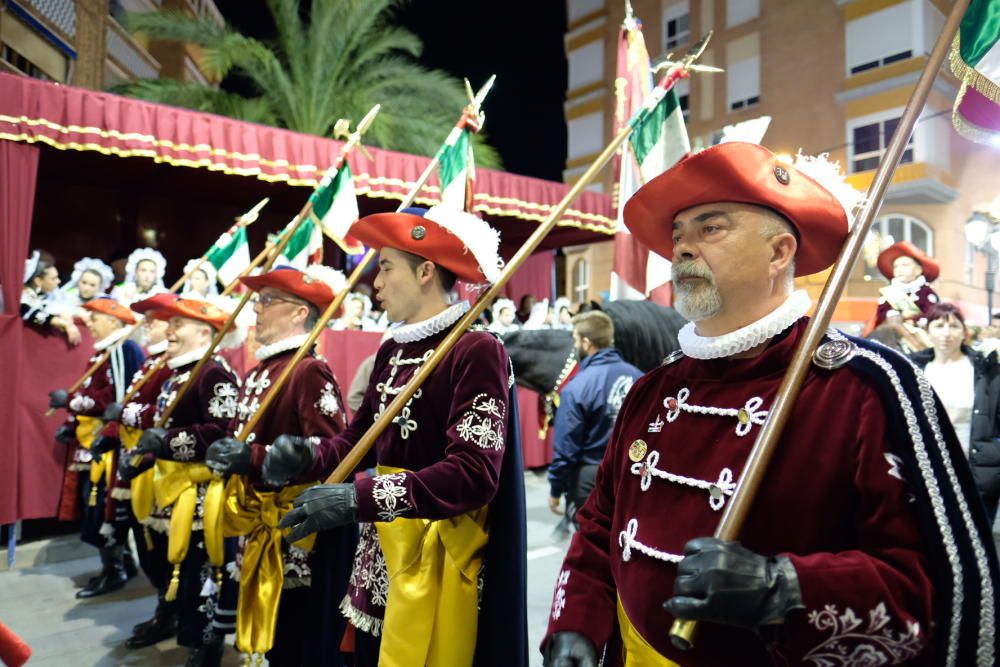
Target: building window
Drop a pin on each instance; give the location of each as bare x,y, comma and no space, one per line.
581,280
683,90
20,62
741,11
882,37
869,140
892,228
743,72
676,25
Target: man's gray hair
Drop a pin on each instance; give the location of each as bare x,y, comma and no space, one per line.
774,224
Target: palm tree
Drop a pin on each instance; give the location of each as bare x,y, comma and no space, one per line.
345,58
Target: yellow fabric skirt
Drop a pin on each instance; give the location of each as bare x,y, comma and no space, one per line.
638,652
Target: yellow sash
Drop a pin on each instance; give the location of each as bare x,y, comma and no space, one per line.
176,485
87,429
142,486
431,612
256,514
638,652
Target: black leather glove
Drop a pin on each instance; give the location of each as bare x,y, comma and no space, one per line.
228,456
112,413
153,441
288,457
724,582
66,433
570,649
103,444
58,398
127,471
321,507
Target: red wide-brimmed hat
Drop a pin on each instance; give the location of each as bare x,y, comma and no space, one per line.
906,249
153,303
749,174
110,307
193,309
460,242
318,284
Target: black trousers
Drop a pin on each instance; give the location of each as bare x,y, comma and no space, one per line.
581,483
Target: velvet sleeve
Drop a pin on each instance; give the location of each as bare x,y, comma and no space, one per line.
874,601
217,394
467,476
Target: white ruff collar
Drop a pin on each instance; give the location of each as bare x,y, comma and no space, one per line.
411,333
911,286
748,337
186,358
290,343
157,348
110,340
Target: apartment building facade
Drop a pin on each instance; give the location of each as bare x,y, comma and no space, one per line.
834,76
85,43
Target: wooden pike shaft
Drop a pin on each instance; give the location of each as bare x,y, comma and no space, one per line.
354,141
682,632
350,462
355,276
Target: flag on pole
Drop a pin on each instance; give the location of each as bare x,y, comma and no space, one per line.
975,60
659,140
305,247
230,254
335,208
457,170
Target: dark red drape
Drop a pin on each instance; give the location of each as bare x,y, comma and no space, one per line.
18,174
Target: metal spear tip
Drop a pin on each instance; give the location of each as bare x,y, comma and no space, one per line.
699,48
251,216
368,120
468,91
342,128
485,90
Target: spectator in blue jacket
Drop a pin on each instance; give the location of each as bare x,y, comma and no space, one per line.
588,407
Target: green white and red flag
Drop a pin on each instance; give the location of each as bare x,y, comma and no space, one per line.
457,169
305,247
230,254
975,60
659,140
335,208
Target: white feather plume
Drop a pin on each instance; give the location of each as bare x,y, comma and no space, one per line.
829,176
475,233
334,279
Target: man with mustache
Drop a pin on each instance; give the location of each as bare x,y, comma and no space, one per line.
866,534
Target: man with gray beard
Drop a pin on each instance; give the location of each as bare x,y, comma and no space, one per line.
867,525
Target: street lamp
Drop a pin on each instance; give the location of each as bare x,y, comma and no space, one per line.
982,231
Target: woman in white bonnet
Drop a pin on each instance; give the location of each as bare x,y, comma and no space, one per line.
143,277
41,280
503,317
202,283
91,278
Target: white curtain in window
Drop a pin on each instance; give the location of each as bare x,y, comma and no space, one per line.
883,33
741,11
743,69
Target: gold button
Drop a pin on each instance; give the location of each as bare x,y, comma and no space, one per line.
637,450
743,416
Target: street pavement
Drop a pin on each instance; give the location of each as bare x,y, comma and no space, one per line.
39,604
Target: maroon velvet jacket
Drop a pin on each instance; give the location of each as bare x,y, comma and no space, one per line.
309,405
833,500
450,436
204,413
924,297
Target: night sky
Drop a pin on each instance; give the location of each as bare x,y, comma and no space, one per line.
520,41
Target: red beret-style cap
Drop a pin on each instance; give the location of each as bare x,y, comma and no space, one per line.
906,249
741,173
110,307
193,309
291,280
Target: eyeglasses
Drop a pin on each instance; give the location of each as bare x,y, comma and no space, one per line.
266,300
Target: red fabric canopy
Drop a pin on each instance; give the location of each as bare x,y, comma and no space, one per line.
78,119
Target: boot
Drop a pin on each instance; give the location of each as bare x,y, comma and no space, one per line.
162,626
129,562
112,576
206,655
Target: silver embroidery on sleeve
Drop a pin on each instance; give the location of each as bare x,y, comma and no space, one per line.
853,644
81,403
223,404
327,403
482,424
182,446
132,412
389,494
559,599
